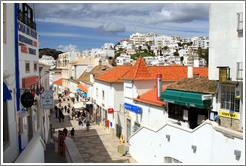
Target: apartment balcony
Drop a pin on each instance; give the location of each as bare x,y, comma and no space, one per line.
24,19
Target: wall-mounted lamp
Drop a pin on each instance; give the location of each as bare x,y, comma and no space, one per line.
194,148
237,154
168,137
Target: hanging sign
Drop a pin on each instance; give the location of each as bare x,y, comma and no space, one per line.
47,100
136,109
27,99
110,110
27,82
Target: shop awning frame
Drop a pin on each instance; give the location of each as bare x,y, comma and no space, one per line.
190,99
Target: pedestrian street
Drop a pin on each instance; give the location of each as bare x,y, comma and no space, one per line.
96,145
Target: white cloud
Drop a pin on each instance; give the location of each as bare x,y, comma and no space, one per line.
111,28
67,48
112,18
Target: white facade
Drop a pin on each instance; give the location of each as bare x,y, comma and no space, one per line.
10,142
113,98
97,52
122,59
175,142
48,60
108,46
227,51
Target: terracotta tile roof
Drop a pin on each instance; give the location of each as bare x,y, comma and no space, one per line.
57,74
139,71
151,97
125,40
83,87
202,85
96,71
115,74
174,73
58,82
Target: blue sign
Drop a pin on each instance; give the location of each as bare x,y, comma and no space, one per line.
47,99
134,108
111,124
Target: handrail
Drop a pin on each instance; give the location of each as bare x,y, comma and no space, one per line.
225,131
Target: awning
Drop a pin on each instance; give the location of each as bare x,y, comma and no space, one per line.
78,90
83,88
79,105
84,94
191,99
6,93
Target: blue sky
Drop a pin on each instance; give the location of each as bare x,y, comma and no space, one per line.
67,26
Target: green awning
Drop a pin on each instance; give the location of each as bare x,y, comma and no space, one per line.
191,99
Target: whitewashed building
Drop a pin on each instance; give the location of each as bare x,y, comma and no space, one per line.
24,122
226,61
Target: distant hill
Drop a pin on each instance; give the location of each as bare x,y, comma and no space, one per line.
49,52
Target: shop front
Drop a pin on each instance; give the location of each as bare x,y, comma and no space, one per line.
189,107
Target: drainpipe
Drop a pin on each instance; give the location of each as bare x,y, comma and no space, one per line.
17,74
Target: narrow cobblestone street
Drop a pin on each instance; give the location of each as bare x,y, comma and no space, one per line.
96,145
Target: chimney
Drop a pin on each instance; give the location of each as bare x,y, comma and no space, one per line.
100,62
190,65
158,86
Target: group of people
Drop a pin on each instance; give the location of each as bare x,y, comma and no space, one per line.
72,132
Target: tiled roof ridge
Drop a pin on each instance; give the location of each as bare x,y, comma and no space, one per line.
139,61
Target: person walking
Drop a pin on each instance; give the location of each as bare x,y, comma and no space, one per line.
60,115
65,108
68,113
65,131
72,133
56,111
87,125
80,122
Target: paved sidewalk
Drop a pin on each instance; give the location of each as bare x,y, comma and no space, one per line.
96,145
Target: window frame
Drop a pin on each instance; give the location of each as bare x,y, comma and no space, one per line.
27,62
35,70
103,94
225,103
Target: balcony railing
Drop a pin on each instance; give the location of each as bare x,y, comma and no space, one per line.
24,19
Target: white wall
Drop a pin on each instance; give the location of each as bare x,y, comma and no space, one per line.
226,47
212,145
10,152
80,70
142,86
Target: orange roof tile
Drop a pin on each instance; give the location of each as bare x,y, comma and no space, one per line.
139,71
58,74
115,74
174,73
58,82
151,97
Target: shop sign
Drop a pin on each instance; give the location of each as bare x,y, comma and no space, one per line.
27,99
110,110
222,74
229,114
27,30
47,100
27,82
136,109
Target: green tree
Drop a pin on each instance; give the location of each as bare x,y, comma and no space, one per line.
200,52
139,48
206,55
166,48
176,53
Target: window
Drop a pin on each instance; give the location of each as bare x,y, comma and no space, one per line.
176,112
5,125
227,96
240,21
103,94
239,71
224,74
27,67
97,92
4,23
35,66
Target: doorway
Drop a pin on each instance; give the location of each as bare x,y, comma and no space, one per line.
128,129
